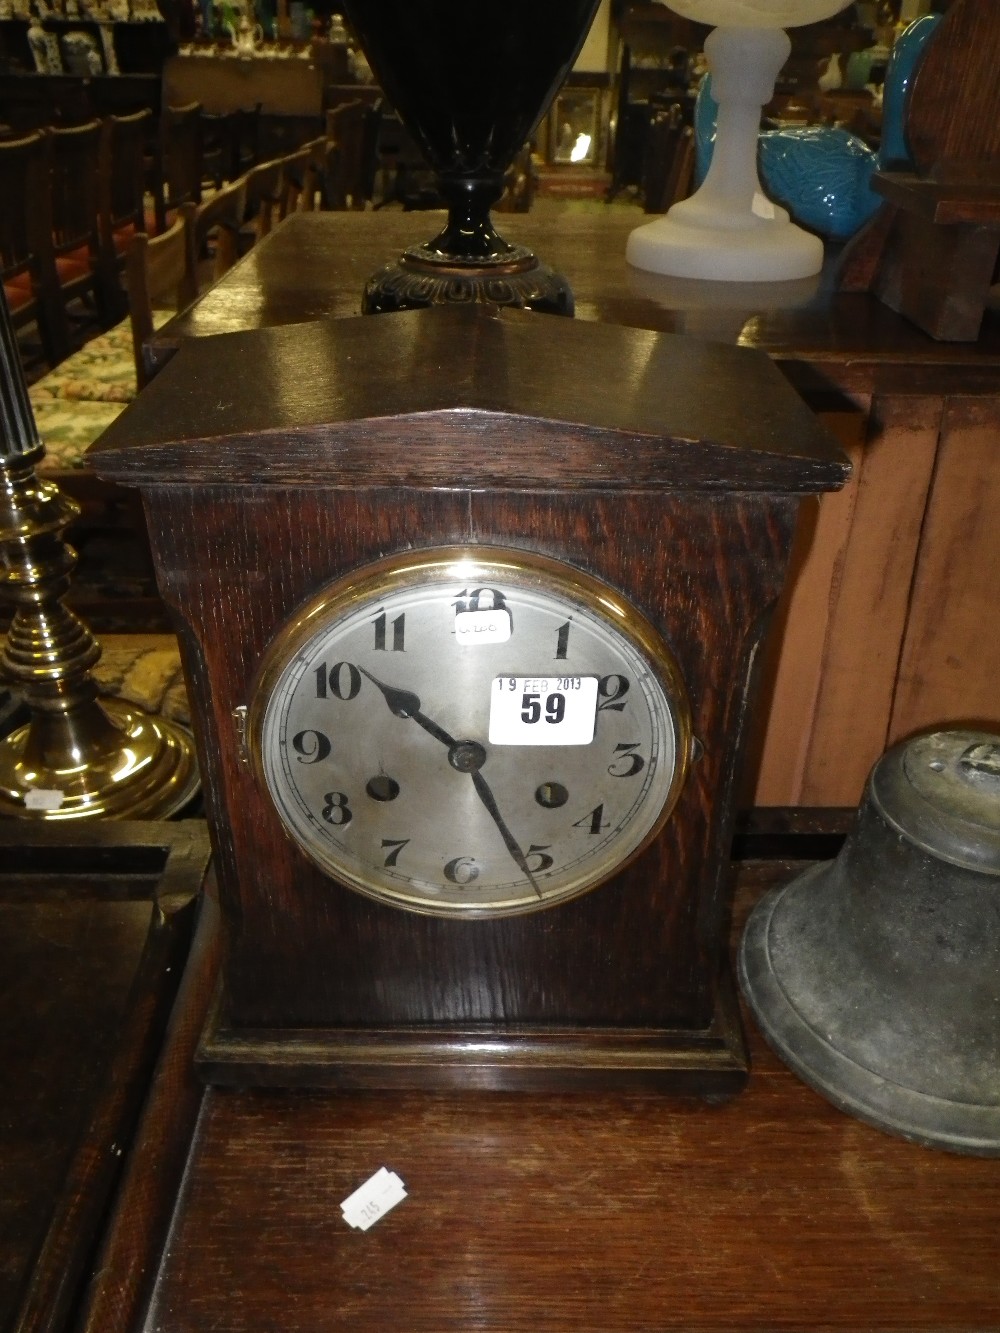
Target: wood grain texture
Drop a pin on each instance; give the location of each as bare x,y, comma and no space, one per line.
215,550
480,397
795,657
125,1268
666,490
938,274
95,928
953,117
316,264
845,609
535,1214
949,664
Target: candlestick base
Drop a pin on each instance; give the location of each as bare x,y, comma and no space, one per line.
728,231
127,766
762,250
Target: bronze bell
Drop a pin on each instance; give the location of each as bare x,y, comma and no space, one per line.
876,977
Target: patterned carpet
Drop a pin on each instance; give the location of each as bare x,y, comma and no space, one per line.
80,398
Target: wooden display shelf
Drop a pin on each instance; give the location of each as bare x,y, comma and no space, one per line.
599,1214
95,924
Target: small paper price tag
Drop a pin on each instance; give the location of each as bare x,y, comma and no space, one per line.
472,627
373,1199
43,798
543,710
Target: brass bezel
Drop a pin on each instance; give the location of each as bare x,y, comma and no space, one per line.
482,564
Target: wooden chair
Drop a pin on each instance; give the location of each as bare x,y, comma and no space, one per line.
74,167
217,223
27,259
220,147
177,175
248,137
299,181
353,127
161,273
264,200
121,198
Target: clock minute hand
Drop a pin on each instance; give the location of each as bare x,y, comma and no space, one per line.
510,842
466,756
404,703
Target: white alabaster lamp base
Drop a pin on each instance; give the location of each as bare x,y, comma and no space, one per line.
727,230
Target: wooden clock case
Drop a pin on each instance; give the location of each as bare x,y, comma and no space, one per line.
274,462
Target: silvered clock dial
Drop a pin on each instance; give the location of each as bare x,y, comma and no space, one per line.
470,732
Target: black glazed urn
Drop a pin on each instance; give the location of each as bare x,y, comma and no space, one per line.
470,82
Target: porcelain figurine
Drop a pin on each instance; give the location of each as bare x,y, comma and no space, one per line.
82,57
246,37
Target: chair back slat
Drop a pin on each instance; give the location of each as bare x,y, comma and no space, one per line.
177,175
26,250
264,190
218,220
124,147
353,127
75,157
161,273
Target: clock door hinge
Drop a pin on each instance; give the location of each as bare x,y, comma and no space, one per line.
240,720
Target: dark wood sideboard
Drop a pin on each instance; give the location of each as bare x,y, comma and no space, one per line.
532,1214
882,626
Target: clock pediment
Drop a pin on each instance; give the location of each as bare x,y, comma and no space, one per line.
465,398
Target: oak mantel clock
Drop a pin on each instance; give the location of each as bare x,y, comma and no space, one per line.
469,604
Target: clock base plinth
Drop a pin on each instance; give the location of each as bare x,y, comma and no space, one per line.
711,1063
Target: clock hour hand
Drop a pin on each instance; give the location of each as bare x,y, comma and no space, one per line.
465,756
404,703
510,842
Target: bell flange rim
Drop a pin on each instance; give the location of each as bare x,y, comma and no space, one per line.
877,1100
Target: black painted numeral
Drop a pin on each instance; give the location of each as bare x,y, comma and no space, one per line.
396,845
628,763
312,747
611,692
343,680
562,640
398,631
479,599
594,821
539,851
461,870
336,811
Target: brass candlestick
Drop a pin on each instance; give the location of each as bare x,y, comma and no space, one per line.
77,757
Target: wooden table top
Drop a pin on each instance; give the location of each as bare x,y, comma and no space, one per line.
531,1214
315,265
94,928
